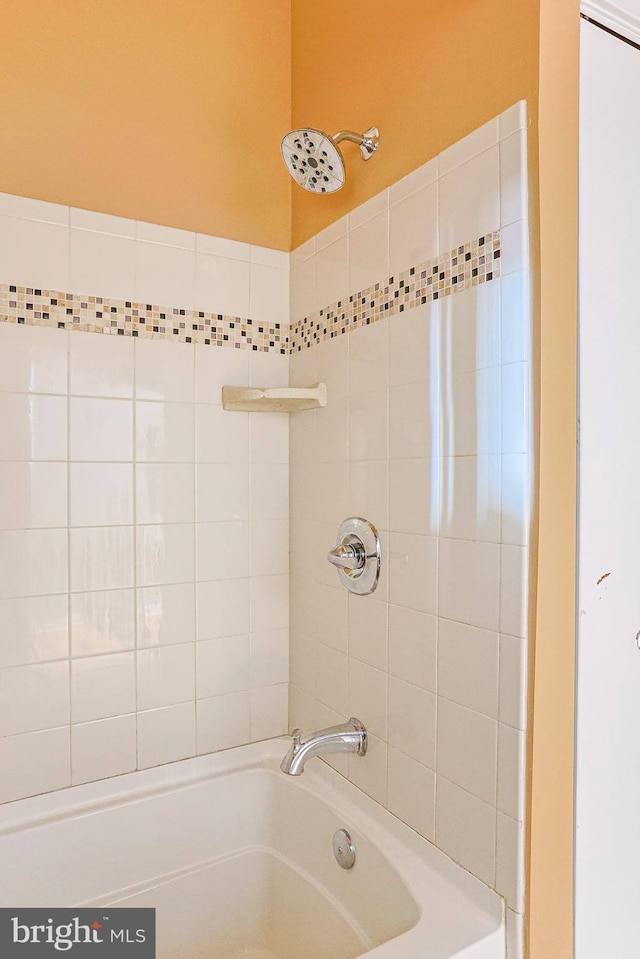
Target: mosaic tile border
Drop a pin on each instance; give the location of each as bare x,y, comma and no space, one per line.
96,314
458,269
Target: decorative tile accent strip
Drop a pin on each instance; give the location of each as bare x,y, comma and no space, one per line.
459,269
96,314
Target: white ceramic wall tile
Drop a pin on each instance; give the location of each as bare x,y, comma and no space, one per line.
370,773
332,264
377,205
511,767
333,679
368,696
165,675
514,247
33,427
222,493
368,632
33,562
101,558
222,608
102,223
164,371
513,590
469,147
165,554
165,276
412,434
421,428
413,572
35,763
102,264
269,300
102,686
515,317
166,735
331,234
101,365
269,658
33,253
515,118
469,582
412,793
30,209
34,629
34,495
223,722
102,622
33,697
509,852
32,359
217,368
104,375
165,615
219,246
222,551
467,749
369,252
414,181
269,602
268,369
222,285
269,491
469,199
100,429
413,497
468,666
413,647
166,235
102,749
221,436
412,721
466,829
413,229
269,712
100,494
513,180
471,498
269,547
513,678
165,432
165,493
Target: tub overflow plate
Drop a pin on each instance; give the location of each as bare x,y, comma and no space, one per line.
344,849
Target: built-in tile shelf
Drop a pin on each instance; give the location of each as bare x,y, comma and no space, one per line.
274,400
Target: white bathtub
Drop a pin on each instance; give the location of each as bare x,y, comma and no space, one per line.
237,859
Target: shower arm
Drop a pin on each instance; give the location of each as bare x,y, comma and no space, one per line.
367,141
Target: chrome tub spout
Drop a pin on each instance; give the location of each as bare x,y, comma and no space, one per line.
350,737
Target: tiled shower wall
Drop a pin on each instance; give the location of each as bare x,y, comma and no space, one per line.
426,433
143,531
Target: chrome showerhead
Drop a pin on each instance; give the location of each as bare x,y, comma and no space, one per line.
314,161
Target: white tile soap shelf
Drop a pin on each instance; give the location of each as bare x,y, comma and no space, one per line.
253,399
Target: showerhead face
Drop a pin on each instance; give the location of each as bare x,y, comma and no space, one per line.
313,160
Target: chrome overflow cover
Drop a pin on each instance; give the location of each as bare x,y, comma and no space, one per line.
357,555
344,849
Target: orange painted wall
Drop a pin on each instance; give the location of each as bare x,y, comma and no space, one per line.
170,111
425,72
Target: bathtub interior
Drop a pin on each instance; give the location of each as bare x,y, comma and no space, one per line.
232,865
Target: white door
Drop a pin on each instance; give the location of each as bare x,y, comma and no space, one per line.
608,676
